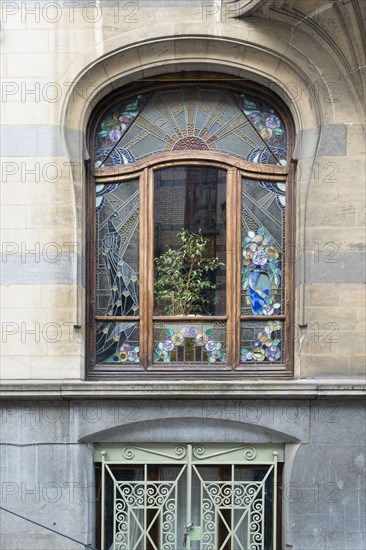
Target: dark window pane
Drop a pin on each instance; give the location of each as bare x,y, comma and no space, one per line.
190,240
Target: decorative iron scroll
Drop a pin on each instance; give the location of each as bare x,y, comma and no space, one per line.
201,453
187,119
178,453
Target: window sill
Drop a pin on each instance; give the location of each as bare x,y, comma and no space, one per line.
184,389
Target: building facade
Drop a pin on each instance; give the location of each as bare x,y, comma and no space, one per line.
133,423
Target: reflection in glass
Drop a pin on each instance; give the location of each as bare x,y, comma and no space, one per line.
190,240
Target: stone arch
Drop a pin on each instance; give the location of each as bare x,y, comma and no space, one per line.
190,430
275,64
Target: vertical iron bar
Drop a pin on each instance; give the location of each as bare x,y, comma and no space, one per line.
232,526
274,502
102,507
189,492
145,505
114,512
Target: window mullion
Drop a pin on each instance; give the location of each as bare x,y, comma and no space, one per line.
231,266
290,248
145,271
91,267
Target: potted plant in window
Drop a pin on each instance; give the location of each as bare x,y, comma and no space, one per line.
182,279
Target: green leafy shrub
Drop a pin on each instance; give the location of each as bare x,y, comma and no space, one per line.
182,278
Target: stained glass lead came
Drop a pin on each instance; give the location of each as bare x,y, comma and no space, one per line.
187,119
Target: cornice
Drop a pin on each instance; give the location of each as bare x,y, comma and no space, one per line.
184,389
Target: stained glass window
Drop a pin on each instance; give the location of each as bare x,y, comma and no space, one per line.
186,119
117,277
190,226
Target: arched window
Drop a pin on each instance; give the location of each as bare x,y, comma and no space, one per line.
190,226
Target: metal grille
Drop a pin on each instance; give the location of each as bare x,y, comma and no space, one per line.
200,497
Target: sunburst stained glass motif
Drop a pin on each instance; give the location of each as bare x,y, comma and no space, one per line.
197,118
117,342
261,342
263,206
189,343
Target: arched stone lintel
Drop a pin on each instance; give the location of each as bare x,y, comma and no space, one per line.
189,430
268,67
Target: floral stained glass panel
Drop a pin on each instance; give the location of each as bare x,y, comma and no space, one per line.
261,343
117,342
270,127
192,343
112,127
263,245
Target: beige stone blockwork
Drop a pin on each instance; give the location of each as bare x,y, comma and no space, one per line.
315,366
48,216
38,65
358,365
41,193
60,344
56,296
337,214
27,340
334,240
349,341
361,215
332,178
16,240
30,111
20,296
342,294
47,246
13,217
27,41
342,318
61,316
11,319
56,367
352,294
63,40
15,368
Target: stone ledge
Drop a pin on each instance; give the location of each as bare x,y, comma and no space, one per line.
183,389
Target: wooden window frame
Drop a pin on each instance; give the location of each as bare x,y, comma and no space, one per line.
144,171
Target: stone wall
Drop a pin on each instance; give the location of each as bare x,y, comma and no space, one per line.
49,477
59,60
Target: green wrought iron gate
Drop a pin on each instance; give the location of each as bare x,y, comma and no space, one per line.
188,497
